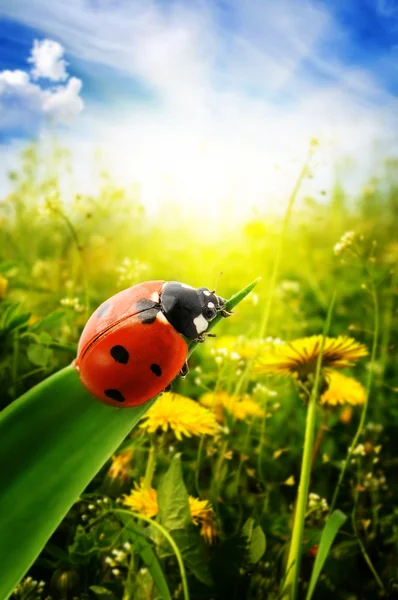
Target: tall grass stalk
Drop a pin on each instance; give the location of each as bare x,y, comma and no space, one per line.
281,243
369,381
294,559
272,284
362,546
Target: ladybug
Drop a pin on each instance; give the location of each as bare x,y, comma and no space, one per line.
135,343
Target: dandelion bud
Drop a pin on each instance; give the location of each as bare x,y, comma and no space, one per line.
65,584
117,479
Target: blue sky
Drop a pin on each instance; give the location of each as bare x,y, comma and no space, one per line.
259,76
361,35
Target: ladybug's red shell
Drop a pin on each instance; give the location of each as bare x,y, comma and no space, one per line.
124,360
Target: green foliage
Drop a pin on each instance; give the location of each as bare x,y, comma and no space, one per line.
256,541
335,521
60,258
174,515
173,498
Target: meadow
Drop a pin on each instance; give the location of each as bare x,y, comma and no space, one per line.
216,462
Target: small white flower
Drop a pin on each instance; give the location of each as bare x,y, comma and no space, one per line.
359,450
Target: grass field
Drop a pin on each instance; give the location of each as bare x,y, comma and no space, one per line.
216,463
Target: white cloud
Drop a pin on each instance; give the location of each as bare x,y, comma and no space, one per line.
47,60
23,102
13,79
63,104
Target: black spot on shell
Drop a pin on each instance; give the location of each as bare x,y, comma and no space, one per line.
145,304
147,310
156,369
148,316
115,395
120,354
103,309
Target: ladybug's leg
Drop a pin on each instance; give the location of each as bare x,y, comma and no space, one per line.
184,371
169,387
202,337
226,313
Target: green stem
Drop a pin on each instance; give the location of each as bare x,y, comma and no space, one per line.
365,406
80,251
363,549
294,559
14,366
243,453
273,280
388,320
261,445
281,241
198,461
150,466
216,478
168,537
275,269
129,578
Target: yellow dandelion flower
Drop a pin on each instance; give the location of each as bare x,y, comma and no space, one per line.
199,509
118,474
342,390
202,514
299,357
120,463
241,407
144,501
180,414
3,286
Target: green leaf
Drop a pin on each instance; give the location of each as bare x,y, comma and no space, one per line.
80,549
143,587
58,436
192,548
175,516
333,524
256,541
48,321
45,338
39,355
172,497
102,592
7,266
144,549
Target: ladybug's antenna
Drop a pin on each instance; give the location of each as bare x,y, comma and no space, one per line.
217,280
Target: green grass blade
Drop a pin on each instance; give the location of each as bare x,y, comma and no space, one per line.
333,524
54,439
144,549
229,305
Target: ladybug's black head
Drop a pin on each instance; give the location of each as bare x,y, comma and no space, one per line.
190,309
